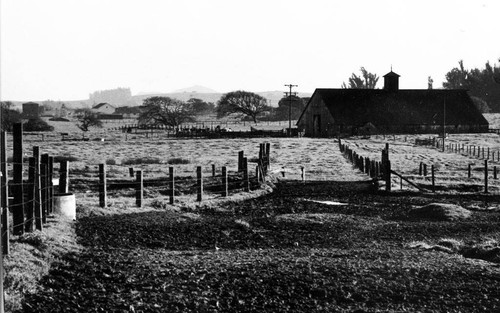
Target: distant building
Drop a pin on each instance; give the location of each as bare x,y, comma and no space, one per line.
31,110
390,110
129,112
103,108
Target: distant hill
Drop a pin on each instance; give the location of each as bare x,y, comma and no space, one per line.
199,92
195,89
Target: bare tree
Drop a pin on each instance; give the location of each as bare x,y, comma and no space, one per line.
166,111
87,119
244,102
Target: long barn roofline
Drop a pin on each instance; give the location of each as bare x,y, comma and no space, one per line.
440,92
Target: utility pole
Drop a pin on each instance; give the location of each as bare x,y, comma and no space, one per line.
290,107
444,121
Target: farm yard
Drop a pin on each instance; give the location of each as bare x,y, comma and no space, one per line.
317,236
173,156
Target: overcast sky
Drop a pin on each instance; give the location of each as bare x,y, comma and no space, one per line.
66,49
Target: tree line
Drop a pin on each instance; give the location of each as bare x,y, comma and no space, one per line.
483,84
160,110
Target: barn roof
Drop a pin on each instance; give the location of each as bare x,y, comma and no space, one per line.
404,106
391,73
97,106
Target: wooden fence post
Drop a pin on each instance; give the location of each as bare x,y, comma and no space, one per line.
425,170
433,178
43,188
486,176
241,155
469,171
420,168
262,149
213,170
224,182
388,175
30,203
246,180
51,185
63,177
131,171
171,184
103,201
199,176
2,294
267,155
38,191
17,190
139,192
262,171
495,172
4,194
44,168
303,174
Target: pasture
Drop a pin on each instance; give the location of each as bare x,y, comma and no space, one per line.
331,243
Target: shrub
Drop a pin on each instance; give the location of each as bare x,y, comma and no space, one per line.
69,158
37,124
178,161
146,160
159,204
58,119
111,162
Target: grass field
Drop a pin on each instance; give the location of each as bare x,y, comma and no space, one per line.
330,244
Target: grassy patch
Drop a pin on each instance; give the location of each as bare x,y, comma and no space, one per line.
31,256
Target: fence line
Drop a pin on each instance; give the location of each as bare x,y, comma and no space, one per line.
214,183
33,196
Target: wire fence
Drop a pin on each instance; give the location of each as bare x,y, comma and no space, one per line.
458,167
30,185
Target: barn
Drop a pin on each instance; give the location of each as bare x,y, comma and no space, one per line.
103,108
390,110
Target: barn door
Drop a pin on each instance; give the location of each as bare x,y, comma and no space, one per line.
316,125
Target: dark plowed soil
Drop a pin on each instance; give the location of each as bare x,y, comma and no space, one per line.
282,252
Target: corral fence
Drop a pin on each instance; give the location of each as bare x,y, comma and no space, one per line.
26,201
465,176
216,182
129,129
377,170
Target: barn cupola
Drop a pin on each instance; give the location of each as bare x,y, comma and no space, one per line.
391,81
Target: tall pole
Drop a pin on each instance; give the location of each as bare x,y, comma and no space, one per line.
444,121
290,108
